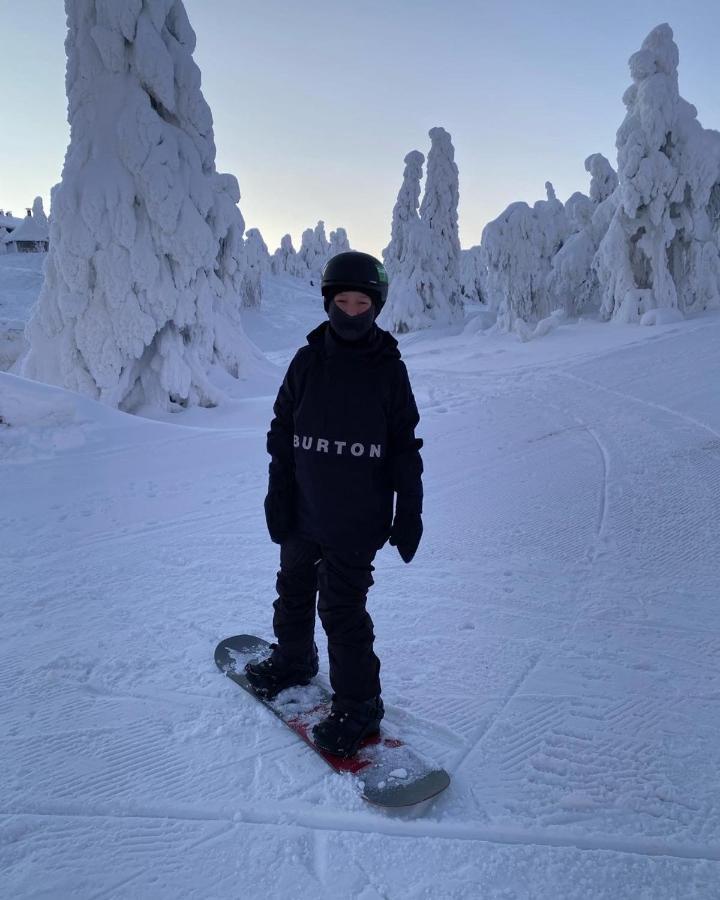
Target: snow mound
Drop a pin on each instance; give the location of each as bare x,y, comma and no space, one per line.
38,420
661,317
527,333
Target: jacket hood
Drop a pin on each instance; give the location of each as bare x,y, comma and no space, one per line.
377,344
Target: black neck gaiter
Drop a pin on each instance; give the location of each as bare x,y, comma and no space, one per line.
350,328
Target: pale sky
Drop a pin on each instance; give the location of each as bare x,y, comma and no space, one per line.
316,104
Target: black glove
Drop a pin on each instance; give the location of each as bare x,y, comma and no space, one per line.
279,515
406,532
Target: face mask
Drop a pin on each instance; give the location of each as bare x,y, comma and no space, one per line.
350,328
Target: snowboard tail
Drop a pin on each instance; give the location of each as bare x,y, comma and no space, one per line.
389,772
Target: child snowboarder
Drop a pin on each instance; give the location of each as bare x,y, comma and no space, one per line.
342,445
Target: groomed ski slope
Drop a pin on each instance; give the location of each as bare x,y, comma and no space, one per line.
555,644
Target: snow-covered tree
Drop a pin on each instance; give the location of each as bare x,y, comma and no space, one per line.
405,212
518,248
439,215
425,280
257,265
473,274
3,235
143,280
38,213
313,252
572,283
405,309
339,243
603,178
660,251
579,210
284,259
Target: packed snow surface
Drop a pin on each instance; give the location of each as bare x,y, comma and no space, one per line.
555,644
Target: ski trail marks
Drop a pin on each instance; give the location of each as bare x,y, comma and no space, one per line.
295,814
649,403
112,889
602,511
476,739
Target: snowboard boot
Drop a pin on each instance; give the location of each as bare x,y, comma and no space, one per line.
276,673
349,724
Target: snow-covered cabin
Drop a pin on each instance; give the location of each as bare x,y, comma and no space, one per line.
8,221
28,235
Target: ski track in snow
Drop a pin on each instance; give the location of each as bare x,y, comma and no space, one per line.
554,644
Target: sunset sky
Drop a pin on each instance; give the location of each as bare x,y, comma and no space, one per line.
316,104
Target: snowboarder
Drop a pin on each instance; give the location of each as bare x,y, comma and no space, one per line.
343,447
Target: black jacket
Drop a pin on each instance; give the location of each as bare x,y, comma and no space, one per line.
343,442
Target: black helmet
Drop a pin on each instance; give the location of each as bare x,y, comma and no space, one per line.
354,271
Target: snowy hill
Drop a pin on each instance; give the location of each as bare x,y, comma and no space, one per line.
554,644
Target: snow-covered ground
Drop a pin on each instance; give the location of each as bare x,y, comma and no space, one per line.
20,282
555,644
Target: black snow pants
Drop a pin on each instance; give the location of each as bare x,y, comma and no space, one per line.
342,579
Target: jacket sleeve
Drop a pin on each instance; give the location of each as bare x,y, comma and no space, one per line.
280,500
405,459
280,437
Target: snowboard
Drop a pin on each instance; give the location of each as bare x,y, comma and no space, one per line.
389,773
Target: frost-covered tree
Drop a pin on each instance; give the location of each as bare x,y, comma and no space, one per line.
284,259
339,243
518,248
38,212
257,265
439,215
660,252
256,250
572,282
305,252
579,209
313,252
405,309
143,280
405,212
425,280
473,274
603,178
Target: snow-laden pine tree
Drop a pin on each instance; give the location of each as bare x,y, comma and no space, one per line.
425,284
313,253
518,248
284,259
572,282
579,209
439,215
405,212
339,242
603,178
473,274
38,212
257,266
660,254
404,309
143,280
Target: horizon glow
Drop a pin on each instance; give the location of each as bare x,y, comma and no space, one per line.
315,108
